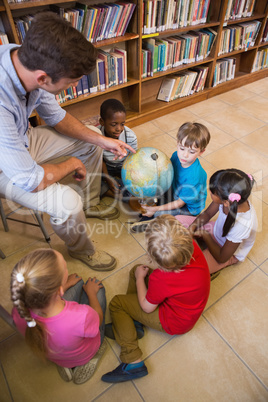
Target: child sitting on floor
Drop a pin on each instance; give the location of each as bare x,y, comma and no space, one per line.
232,236
169,298
189,186
50,310
112,124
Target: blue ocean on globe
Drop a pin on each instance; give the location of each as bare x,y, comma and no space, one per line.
148,173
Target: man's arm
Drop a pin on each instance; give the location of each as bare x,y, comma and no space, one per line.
72,127
54,172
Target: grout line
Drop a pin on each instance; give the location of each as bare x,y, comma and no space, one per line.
236,353
232,288
4,375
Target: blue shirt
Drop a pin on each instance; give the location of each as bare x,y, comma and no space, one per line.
190,185
16,107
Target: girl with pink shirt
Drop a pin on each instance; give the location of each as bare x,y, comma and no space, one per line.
61,317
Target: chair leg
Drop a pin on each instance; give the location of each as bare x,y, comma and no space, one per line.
7,317
3,217
2,255
42,226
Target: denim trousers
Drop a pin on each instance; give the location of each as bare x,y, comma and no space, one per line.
76,293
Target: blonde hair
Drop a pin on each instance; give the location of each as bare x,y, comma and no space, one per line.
39,279
169,243
195,133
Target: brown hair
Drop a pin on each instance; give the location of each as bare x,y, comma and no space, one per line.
54,46
195,133
40,278
169,243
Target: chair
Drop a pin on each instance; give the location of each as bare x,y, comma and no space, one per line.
7,317
35,214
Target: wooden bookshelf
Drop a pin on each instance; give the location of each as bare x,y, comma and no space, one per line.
139,94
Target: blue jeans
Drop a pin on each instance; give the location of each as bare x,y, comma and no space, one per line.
76,293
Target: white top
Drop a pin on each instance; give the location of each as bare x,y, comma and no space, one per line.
243,231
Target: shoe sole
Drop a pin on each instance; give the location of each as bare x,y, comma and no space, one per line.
67,377
91,368
124,379
139,228
100,269
103,218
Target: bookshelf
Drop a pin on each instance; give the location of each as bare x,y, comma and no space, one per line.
138,94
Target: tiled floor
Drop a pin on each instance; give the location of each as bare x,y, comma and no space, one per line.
224,358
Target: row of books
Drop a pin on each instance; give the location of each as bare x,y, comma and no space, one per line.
224,71
111,69
183,84
22,25
98,22
160,15
239,37
163,54
265,32
261,60
239,8
3,38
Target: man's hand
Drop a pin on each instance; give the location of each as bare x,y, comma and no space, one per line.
117,147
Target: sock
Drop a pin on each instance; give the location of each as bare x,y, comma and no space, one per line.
131,366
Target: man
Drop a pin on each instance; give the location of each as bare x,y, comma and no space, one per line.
52,57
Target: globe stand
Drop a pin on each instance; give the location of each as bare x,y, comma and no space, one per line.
136,204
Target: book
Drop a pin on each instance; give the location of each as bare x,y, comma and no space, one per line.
166,89
101,74
85,85
123,53
92,81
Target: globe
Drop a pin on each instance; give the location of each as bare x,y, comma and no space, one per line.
148,173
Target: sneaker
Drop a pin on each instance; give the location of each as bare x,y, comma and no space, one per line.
99,261
126,372
65,373
102,211
141,225
109,332
214,275
83,373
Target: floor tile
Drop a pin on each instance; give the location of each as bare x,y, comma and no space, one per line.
244,311
236,96
264,266
174,120
234,122
116,392
164,143
258,254
229,278
236,155
28,377
146,131
5,395
257,107
258,140
258,86
207,107
199,366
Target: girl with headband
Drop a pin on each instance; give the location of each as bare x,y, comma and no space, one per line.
229,239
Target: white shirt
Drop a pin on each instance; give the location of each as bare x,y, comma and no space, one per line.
243,231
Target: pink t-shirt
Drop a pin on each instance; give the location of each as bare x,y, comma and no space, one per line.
73,335
181,296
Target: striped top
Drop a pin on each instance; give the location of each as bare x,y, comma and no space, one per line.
129,137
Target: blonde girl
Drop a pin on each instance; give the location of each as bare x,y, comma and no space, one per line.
47,311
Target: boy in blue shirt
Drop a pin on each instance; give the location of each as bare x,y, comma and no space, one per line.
189,186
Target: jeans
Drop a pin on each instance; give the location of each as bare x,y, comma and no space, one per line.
76,293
